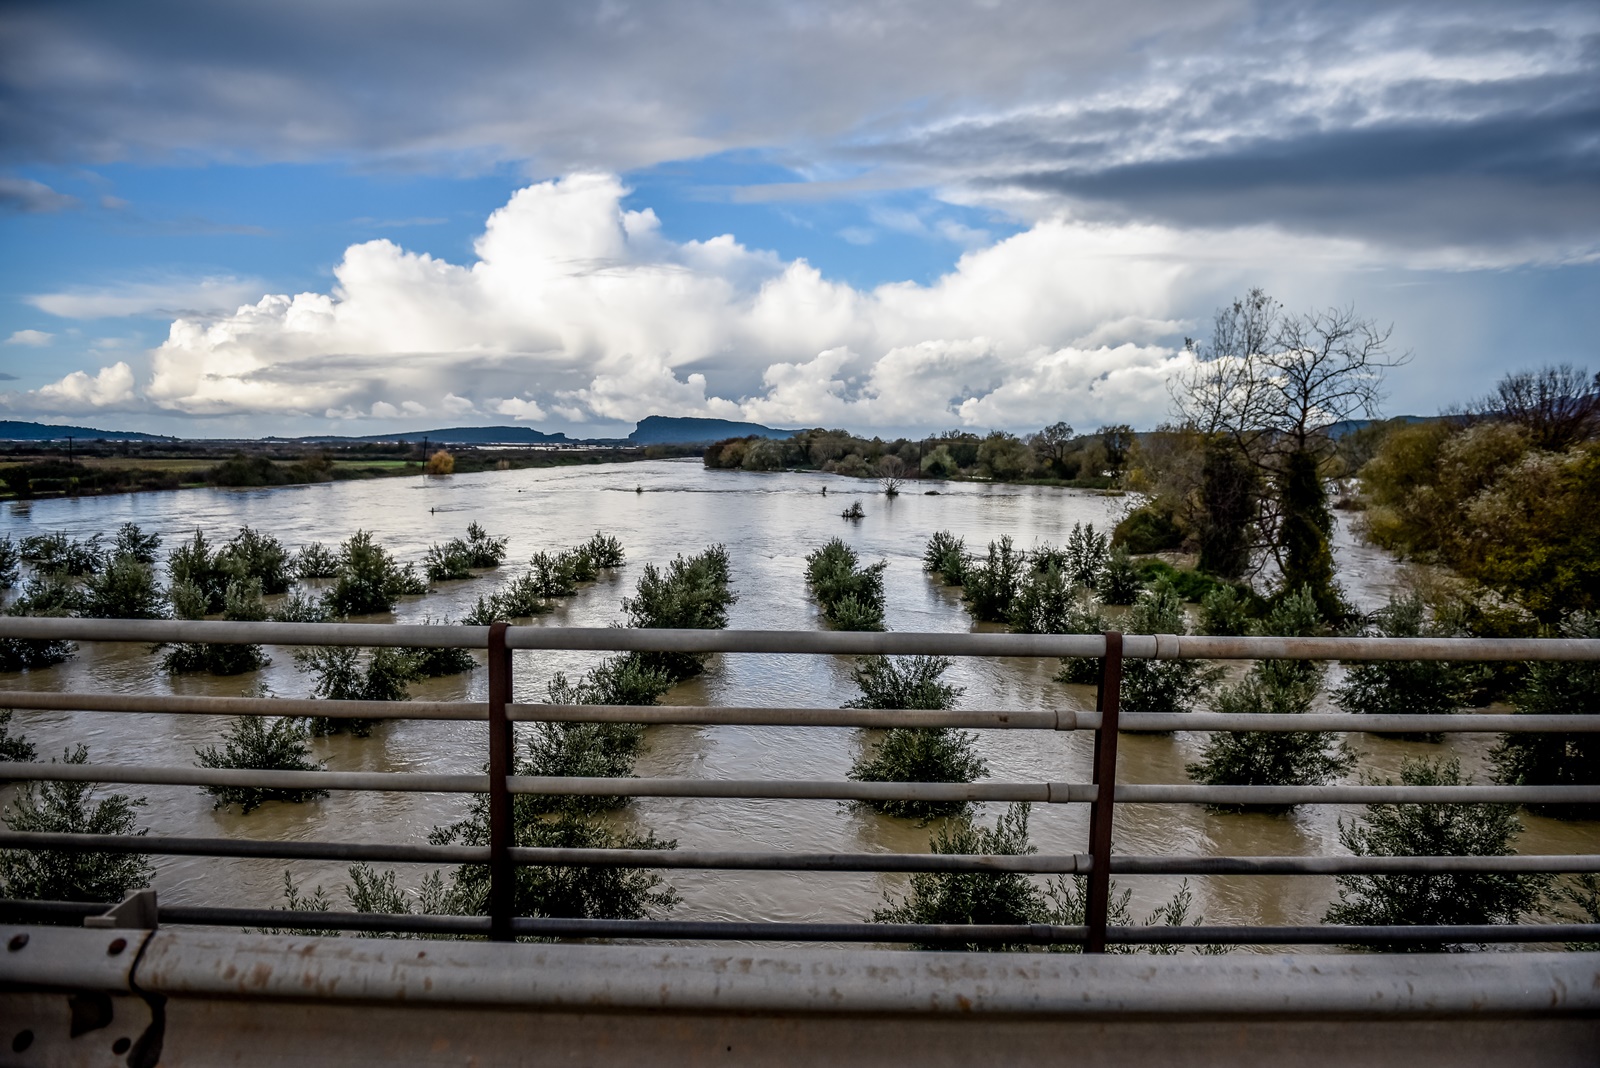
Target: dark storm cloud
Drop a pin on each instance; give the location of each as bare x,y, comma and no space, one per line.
1452,122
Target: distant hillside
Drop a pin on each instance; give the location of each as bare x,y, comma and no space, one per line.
476,435
1350,426
454,435
14,430
667,430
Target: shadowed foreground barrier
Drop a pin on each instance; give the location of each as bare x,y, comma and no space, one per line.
73,996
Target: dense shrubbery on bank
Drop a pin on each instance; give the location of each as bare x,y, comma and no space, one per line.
1054,454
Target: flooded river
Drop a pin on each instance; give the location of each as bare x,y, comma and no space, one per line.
657,509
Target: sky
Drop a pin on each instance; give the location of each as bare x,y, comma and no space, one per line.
357,217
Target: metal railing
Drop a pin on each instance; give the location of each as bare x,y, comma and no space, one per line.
1102,794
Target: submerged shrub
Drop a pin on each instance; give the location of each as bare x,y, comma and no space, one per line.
1432,830
577,892
1046,603
913,754
283,744
131,540
989,587
299,608
369,580
194,563
10,562
55,553
43,595
341,675
1086,556
691,593
241,603
1225,611
316,561
60,875
483,550
1162,685
13,746
978,897
1553,688
1394,687
1085,618
946,556
261,557
447,562
124,589
1121,582
851,596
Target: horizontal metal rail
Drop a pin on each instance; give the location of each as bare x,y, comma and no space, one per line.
801,789
766,860
882,933
185,704
765,716
625,639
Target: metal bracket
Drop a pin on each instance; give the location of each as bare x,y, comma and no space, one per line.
137,911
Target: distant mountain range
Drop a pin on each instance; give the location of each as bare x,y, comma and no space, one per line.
669,430
15,430
652,430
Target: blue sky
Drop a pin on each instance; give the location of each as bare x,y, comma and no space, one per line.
989,214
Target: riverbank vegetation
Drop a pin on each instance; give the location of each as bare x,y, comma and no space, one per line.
913,754
35,470
1055,456
850,595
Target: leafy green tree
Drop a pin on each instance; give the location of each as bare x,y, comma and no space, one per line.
1395,687
1432,830
72,808
131,540
55,553
1555,688
124,589
597,750
1162,685
252,555
1003,456
194,563
1046,603
1225,610
42,595
577,892
913,754
1121,582
691,593
342,676
851,596
10,562
946,556
241,602
989,587
283,744
316,561
369,580
1086,556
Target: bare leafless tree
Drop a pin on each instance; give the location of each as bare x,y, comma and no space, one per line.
891,474
1558,406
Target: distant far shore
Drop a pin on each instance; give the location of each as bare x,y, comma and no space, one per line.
45,470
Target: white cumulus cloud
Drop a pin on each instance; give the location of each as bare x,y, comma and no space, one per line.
110,388
31,338
579,308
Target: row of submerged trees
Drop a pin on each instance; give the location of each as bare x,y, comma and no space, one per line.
687,592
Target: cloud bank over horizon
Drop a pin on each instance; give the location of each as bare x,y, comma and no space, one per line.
578,311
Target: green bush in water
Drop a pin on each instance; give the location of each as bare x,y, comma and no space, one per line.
913,754
851,596
262,557
1120,583
576,892
1046,603
1392,687
341,675
989,587
57,554
691,593
1553,688
131,540
316,561
369,580
946,556
10,562
241,603
125,588
13,746
1432,830
60,875
1162,685
283,744
1225,611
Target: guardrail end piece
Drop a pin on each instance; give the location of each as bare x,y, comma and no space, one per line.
137,911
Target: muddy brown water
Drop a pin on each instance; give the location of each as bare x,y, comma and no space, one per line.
768,522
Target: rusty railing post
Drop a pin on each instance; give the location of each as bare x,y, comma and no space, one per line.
1103,807
502,873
